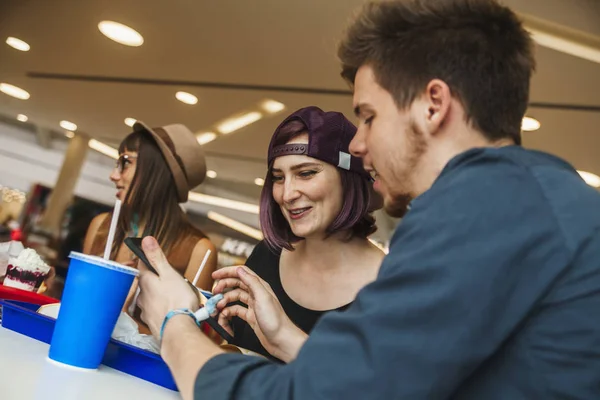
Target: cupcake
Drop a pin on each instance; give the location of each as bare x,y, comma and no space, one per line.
26,272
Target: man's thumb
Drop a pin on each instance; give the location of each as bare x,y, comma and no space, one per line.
154,254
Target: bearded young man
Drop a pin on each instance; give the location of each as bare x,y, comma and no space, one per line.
491,289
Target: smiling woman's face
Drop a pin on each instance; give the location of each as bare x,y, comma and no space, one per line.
308,192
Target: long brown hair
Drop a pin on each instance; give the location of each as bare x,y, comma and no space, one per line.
152,195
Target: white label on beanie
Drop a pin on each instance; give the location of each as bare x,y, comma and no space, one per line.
344,161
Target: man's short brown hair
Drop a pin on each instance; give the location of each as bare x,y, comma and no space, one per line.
478,47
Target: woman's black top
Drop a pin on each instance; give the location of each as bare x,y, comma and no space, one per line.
265,264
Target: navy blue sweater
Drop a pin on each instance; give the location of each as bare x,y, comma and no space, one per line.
491,290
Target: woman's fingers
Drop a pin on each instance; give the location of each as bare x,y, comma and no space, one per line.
236,311
259,290
225,272
230,272
224,322
233,296
228,283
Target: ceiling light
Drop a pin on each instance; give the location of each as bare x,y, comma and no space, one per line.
211,174
530,124
17,43
565,45
104,149
120,33
259,181
69,126
233,124
235,225
14,91
589,178
186,98
22,117
70,134
130,121
206,137
272,106
225,203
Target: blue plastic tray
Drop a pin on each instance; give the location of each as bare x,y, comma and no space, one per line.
23,318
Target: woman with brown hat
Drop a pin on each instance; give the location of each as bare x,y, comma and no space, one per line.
156,169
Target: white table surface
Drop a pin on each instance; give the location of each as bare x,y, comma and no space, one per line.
26,374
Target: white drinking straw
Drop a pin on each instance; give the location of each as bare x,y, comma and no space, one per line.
113,228
201,267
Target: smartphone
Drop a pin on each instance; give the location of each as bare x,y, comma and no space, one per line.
213,323
135,245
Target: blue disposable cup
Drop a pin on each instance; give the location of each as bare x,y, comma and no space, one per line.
94,294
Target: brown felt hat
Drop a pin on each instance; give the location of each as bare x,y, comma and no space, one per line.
183,153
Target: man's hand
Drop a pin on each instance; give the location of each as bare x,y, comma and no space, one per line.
276,332
163,293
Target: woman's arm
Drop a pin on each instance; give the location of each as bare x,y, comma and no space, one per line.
92,232
205,281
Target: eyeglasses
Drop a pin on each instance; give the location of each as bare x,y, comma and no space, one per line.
123,162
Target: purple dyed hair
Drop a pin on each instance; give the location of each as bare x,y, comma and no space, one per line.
354,217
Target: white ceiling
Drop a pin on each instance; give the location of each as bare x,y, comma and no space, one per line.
266,42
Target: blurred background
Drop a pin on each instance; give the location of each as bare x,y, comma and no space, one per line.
75,75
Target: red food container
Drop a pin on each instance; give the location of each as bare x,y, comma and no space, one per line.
9,293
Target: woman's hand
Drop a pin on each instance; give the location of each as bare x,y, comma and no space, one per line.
276,332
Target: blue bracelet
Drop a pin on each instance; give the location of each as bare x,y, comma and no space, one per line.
172,313
202,314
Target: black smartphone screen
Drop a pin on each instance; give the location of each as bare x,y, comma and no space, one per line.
213,323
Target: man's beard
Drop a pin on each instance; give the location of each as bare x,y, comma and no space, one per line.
398,206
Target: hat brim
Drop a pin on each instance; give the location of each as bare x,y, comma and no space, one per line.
176,170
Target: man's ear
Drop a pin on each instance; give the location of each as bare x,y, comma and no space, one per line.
437,99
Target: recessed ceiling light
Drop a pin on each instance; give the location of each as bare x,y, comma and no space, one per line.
14,91
130,121
206,137
104,148
222,202
589,178
272,106
211,174
259,181
233,124
530,124
186,98
17,43
562,42
69,126
70,134
22,117
121,33
235,225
